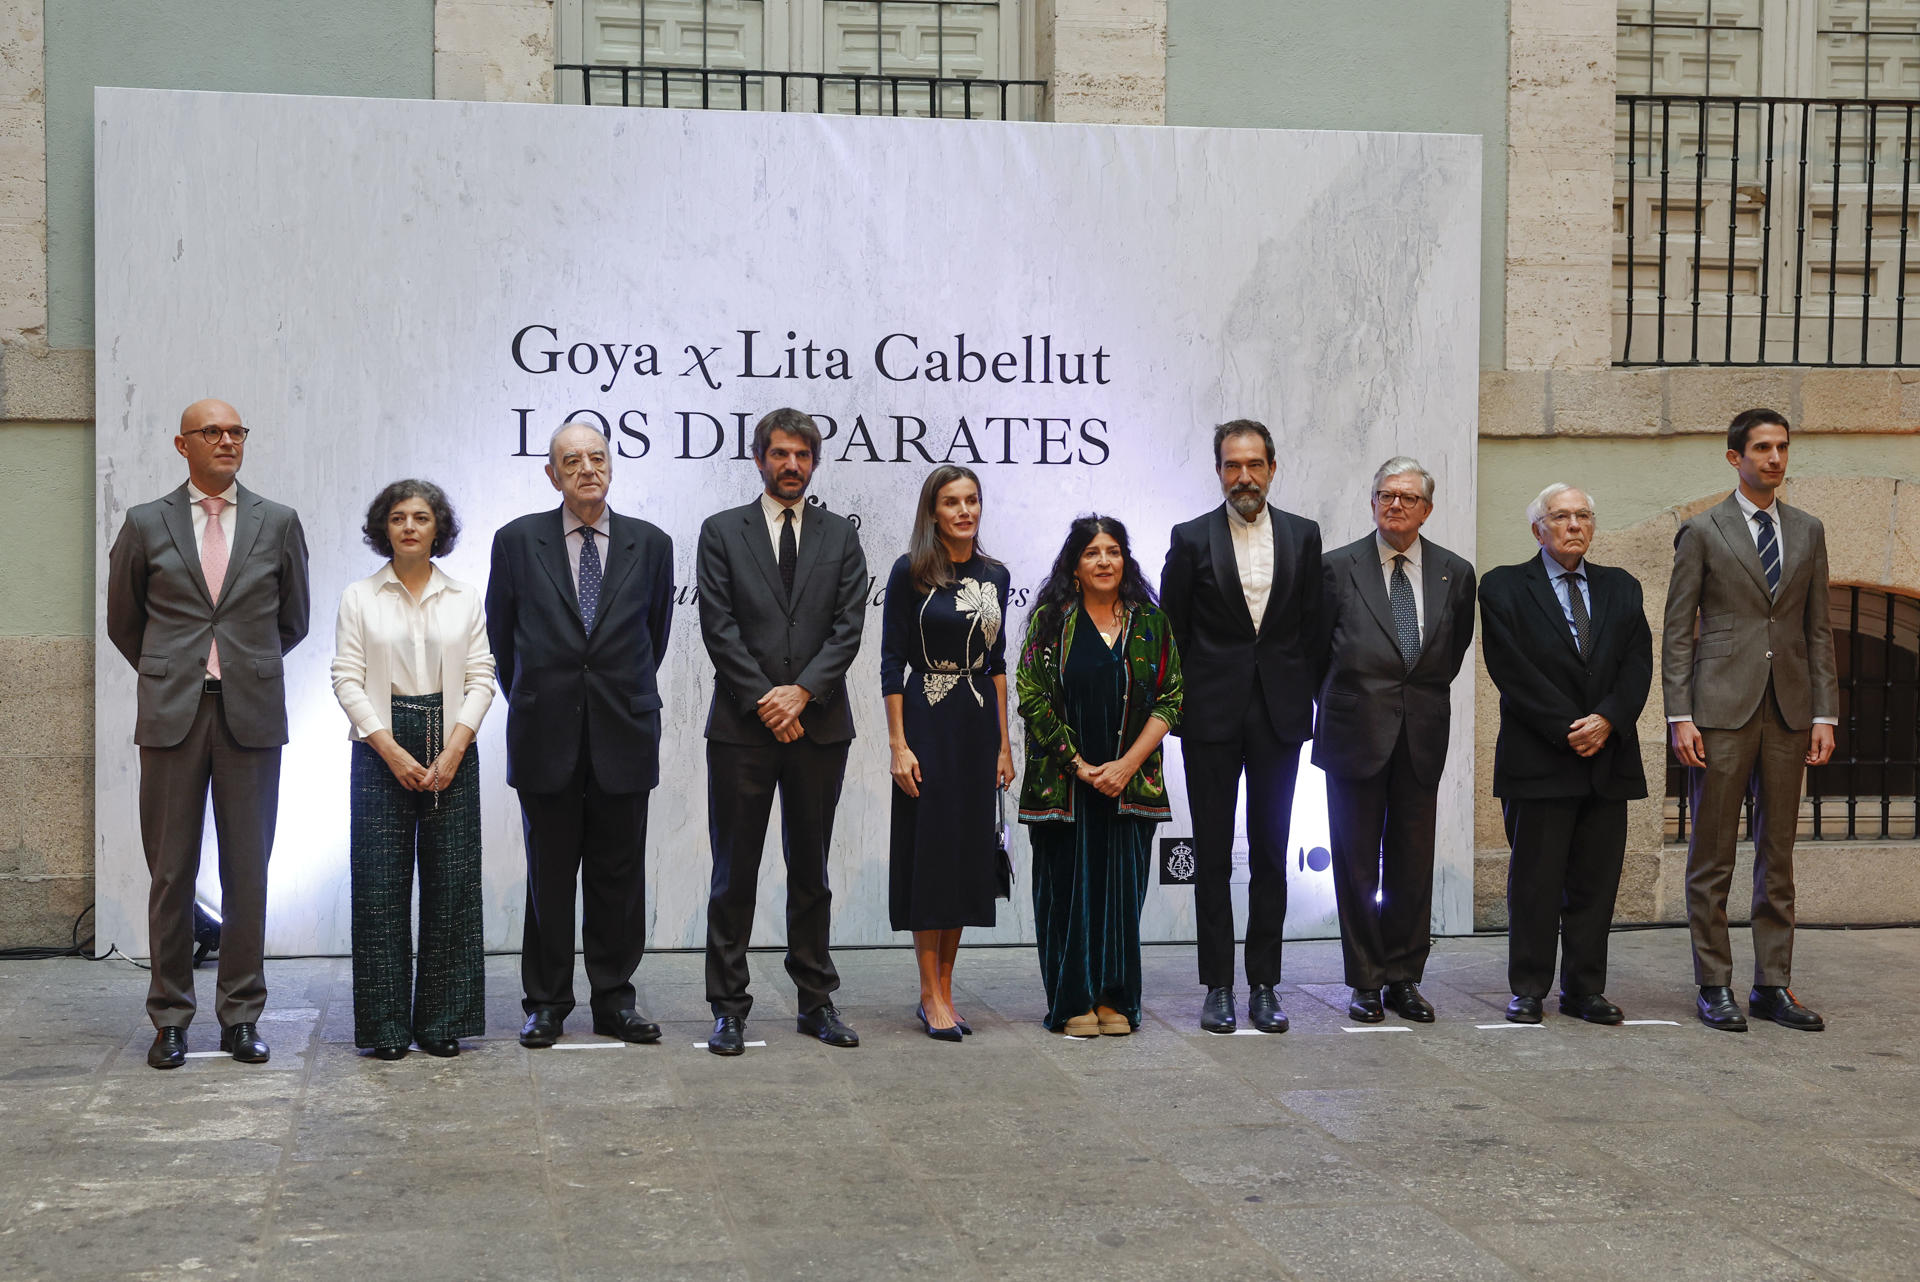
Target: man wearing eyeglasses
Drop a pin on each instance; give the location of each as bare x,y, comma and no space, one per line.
1399,611
1568,646
206,590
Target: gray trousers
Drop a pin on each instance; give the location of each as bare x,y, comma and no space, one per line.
173,801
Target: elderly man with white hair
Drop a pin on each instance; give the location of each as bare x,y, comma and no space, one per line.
1567,644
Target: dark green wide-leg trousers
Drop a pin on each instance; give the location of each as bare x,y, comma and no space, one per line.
391,828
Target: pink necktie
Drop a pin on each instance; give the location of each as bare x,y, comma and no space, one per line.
213,564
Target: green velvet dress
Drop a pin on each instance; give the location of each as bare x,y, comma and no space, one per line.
1090,875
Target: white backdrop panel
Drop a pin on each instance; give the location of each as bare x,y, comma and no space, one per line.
352,274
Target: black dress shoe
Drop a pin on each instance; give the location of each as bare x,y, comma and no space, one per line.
628,1026
242,1041
439,1048
1216,1013
1405,1000
169,1049
1719,1010
951,1033
390,1053
1524,1010
729,1036
966,1029
1263,1010
1365,1006
1592,1007
824,1022
1778,1004
542,1029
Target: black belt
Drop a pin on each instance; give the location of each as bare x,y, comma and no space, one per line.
211,685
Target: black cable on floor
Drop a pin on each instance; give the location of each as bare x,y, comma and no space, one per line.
78,948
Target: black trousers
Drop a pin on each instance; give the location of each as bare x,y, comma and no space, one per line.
598,838
1561,885
1382,833
741,780
1213,770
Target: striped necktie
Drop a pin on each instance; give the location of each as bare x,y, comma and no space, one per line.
1769,551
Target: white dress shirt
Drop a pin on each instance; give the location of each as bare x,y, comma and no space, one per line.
227,518
1556,576
1387,553
388,643
1253,554
772,508
569,524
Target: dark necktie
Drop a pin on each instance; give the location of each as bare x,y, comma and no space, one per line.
1577,606
1406,617
789,549
1769,551
589,577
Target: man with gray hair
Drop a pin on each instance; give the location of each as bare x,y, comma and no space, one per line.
1399,619
1567,645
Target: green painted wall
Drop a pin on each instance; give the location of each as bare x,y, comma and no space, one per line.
1631,480
354,48
1419,66
46,576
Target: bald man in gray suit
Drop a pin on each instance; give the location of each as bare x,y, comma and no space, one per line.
206,590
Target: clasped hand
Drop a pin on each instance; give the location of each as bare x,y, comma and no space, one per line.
1589,734
780,709
1108,778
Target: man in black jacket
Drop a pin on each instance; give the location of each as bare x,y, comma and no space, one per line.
579,601
1568,646
782,603
1242,589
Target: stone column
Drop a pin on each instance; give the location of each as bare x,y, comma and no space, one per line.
1104,61
493,50
23,173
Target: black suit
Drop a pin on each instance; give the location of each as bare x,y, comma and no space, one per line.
1382,740
1249,705
583,744
1566,815
759,635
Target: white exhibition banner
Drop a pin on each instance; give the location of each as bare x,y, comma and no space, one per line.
405,288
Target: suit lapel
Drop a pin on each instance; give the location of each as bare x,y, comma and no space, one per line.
1283,564
550,550
620,532
1600,598
1367,580
753,529
1793,540
809,554
1544,596
247,520
179,518
1436,577
1731,521
1226,569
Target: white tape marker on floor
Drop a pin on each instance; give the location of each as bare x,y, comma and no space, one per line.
1507,1024
700,1046
209,1055
1670,1023
1375,1028
587,1046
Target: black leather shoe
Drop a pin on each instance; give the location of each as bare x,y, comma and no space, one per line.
951,1033
1719,1010
1263,1010
1405,1001
729,1036
1365,1006
1216,1013
439,1048
169,1049
242,1041
1779,1005
542,1029
390,1053
966,1029
1524,1010
824,1022
628,1026
1592,1007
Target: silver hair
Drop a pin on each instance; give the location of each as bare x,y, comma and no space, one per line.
1537,510
555,438
1401,465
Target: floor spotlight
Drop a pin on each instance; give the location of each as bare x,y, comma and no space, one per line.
206,931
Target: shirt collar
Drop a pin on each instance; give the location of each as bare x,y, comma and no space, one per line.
773,507
1387,551
436,581
1748,507
1555,569
569,522
231,494
1257,523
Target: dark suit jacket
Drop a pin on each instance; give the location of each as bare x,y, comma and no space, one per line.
556,676
1222,645
1366,692
161,616
1545,685
759,638
1747,636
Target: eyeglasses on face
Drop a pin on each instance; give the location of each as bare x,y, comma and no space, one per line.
1580,516
1394,498
214,435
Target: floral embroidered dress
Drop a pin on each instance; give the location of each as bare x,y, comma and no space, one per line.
940,652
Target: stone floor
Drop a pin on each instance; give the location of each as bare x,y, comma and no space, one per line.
1660,1150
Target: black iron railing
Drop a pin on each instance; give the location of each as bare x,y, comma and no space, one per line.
1766,231
830,92
1867,792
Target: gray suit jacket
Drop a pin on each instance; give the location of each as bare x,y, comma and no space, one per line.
759,637
161,616
1718,675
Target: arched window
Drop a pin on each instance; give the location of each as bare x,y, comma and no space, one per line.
1866,793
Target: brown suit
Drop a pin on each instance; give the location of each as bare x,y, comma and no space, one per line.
1753,676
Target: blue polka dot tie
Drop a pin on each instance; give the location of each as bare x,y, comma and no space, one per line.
1406,617
589,577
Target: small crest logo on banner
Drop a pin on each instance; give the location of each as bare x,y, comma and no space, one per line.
1176,861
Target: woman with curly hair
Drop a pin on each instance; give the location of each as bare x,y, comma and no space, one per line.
1099,686
414,673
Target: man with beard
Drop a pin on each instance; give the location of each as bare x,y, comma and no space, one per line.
1242,588
782,602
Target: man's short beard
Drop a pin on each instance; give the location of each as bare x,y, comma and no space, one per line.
1247,502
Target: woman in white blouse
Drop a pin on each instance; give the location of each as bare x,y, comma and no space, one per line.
414,673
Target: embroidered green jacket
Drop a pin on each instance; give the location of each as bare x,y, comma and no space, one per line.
1152,690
